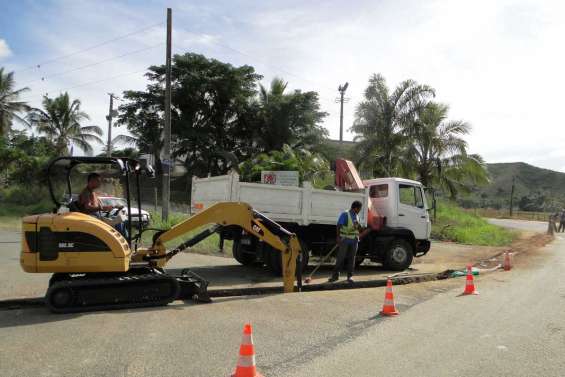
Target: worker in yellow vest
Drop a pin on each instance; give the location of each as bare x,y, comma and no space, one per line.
348,230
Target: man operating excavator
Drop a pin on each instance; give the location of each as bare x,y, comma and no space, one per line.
89,203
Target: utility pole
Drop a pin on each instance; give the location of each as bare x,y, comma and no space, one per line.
512,195
341,89
166,163
109,118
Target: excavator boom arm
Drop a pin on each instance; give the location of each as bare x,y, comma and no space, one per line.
255,223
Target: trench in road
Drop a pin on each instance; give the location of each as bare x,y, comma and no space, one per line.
218,293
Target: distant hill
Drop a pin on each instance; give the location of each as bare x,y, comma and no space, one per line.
535,189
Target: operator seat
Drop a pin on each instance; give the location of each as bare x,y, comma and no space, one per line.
74,206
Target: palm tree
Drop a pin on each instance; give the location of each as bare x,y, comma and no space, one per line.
275,125
437,152
276,90
10,107
287,118
60,120
381,119
119,140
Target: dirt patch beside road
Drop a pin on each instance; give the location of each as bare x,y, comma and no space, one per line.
527,251
524,251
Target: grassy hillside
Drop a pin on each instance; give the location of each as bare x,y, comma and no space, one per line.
454,224
543,189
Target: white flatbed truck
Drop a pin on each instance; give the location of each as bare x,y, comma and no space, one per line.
395,209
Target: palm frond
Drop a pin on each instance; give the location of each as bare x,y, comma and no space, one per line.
124,139
91,129
82,145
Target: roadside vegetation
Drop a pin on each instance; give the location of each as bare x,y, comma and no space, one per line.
456,225
225,119
208,246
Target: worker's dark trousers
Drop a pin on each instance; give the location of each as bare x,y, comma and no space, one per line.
562,226
346,253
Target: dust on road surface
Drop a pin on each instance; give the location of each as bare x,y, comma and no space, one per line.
532,226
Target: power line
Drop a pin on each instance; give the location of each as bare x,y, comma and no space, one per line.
93,64
219,16
49,61
88,83
267,63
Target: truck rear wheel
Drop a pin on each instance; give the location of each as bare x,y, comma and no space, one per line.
241,255
399,255
273,258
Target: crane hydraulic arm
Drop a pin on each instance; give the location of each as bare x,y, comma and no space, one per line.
229,214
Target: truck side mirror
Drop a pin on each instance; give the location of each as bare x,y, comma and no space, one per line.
432,191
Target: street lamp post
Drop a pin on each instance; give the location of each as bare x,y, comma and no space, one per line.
341,89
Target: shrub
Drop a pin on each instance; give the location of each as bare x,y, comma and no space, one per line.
454,224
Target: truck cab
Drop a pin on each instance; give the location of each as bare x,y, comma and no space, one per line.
403,231
402,202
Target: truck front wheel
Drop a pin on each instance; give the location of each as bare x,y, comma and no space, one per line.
399,255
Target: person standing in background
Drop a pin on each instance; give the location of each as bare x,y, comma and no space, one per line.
562,221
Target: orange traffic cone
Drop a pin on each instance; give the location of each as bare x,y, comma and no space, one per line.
246,362
507,262
388,306
469,283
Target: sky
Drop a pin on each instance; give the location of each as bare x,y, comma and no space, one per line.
498,64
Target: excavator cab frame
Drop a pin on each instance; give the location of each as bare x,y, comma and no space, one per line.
126,167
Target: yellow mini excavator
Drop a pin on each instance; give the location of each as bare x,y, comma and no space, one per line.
96,268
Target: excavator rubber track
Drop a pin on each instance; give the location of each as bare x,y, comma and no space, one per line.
132,289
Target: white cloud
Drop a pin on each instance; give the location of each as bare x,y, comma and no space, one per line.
497,64
4,49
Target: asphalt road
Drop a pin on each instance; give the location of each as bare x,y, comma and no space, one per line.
515,327
534,226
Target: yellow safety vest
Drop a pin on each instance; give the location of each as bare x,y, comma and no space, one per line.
349,230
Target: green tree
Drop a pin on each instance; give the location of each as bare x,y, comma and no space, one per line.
293,119
310,166
217,111
210,110
10,107
381,120
60,120
142,114
126,152
437,153
23,158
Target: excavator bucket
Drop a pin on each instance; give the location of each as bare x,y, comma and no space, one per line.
192,287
